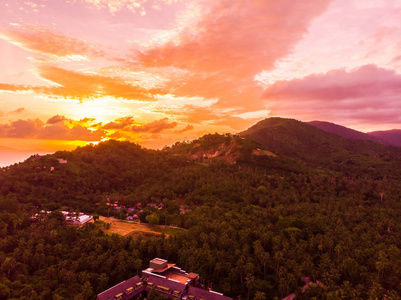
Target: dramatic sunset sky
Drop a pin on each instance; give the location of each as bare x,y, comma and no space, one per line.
159,71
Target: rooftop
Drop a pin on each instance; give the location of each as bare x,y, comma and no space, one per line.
158,261
123,289
178,277
170,281
198,294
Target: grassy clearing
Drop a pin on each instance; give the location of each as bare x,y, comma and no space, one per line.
135,229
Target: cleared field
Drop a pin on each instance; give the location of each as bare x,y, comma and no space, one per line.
135,229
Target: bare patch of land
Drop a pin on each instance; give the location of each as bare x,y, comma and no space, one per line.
136,229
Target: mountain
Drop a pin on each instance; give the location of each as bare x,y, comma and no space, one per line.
314,147
389,137
343,131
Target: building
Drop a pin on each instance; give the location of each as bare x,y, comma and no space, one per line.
74,219
62,161
129,289
164,278
71,218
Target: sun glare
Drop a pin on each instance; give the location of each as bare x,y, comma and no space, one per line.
104,109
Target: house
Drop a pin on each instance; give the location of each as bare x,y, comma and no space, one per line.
39,216
165,279
61,161
74,219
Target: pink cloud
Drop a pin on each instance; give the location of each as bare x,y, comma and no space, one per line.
21,128
366,93
366,81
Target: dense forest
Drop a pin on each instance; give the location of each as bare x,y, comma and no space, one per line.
277,203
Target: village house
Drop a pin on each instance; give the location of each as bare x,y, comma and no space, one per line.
62,161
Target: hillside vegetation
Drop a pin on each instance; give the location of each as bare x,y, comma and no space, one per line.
282,201
316,148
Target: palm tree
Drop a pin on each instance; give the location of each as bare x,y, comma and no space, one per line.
259,296
249,281
103,279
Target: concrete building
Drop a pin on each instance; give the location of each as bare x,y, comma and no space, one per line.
164,278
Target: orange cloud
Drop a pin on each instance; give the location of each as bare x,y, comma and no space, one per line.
56,119
237,93
61,131
231,43
205,116
120,123
18,110
155,126
187,128
14,88
191,114
42,41
81,86
36,129
238,37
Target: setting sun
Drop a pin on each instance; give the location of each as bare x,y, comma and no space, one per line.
105,109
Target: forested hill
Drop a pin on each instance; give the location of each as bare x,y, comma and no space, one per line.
386,137
317,148
282,201
344,131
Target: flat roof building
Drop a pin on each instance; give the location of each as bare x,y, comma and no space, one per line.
125,290
166,279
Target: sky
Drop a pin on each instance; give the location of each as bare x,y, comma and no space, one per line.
155,72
